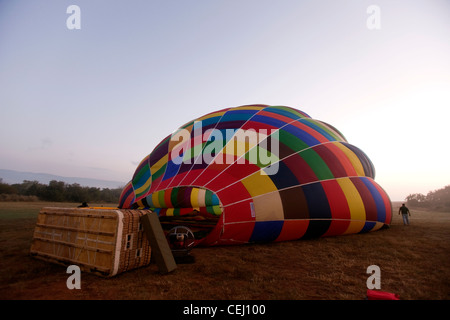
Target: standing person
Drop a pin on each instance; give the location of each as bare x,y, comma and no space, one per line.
83,205
405,212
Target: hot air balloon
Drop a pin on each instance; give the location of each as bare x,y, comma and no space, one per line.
259,173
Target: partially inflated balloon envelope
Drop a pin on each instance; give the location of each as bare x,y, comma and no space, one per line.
259,173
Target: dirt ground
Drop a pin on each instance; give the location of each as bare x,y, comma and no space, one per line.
414,263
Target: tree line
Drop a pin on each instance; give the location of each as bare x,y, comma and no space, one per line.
58,191
438,199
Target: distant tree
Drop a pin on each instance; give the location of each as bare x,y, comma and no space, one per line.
55,191
6,188
437,199
31,188
76,193
60,191
111,195
416,199
440,198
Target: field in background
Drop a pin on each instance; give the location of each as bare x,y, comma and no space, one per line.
414,262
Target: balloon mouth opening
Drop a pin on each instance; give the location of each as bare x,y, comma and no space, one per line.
200,225
196,208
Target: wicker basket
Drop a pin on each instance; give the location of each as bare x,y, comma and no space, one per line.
102,241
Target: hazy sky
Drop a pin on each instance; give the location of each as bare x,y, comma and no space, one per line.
93,102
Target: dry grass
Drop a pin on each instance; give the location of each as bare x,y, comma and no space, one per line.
414,262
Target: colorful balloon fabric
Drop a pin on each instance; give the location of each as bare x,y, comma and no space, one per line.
259,173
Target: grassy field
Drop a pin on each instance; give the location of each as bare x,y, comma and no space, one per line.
414,262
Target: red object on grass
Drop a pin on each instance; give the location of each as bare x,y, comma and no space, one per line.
381,295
